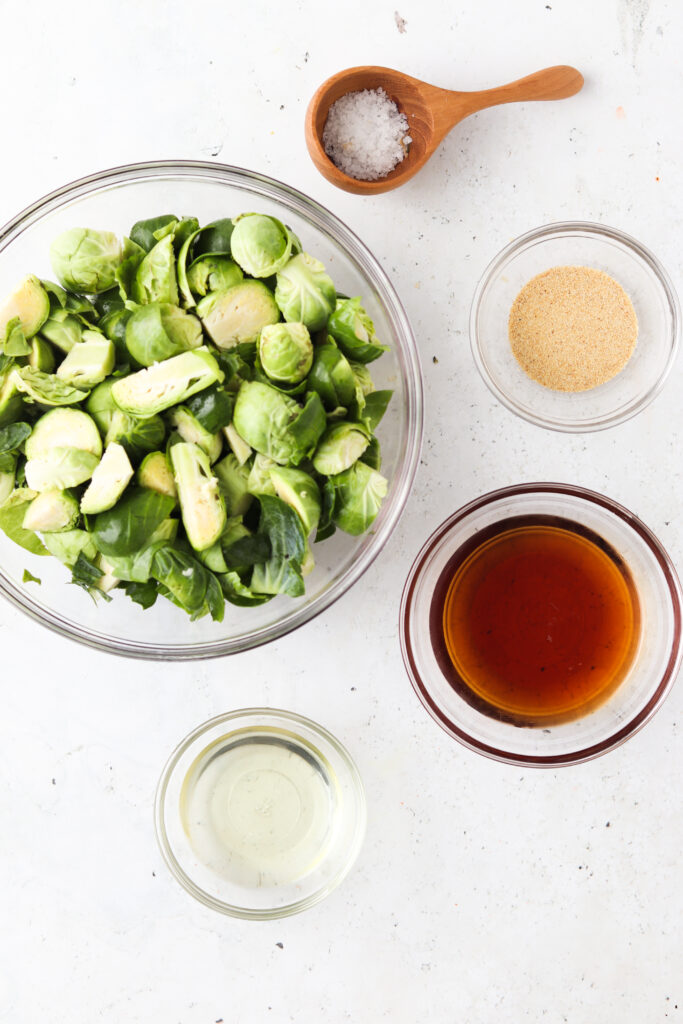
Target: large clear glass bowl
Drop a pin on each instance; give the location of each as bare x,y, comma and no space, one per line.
650,674
114,199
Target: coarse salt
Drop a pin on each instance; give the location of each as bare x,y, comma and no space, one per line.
366,134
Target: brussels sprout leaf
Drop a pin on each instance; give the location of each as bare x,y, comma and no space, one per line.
12,436
127,526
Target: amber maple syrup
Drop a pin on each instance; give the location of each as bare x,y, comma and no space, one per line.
536,620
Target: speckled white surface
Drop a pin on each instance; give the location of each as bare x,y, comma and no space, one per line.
483,893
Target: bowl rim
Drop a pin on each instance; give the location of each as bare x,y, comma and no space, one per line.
242,716
615,739
592,230
335,229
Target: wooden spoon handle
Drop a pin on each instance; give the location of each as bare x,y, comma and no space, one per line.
556,83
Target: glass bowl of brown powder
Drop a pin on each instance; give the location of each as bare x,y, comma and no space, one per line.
575,326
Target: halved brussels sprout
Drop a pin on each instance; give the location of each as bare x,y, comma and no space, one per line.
358,496
339,447
41,356
159,330
137,435
46,388
155,278
109,480
332,377
8,466
63,428
305,293
201,502
276,425
165,384
69,544
238,315
213,274
299,490
85,260
286,352
88,363
260,244
29,303
52,512
155,474
11,402
354,331
63,329
60,468
191,430
101,405
233,483
259,480
239,446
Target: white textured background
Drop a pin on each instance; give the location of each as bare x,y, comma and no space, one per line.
484,893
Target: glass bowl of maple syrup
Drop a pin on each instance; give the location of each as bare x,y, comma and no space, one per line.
541,624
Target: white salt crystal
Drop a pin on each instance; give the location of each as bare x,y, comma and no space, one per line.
365,134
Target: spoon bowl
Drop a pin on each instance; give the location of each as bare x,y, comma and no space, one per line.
431,112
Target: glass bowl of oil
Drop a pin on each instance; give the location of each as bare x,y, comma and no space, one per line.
541,624
260,813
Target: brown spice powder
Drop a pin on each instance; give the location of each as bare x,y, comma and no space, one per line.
572,328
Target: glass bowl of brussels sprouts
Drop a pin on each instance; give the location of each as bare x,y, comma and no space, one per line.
210,410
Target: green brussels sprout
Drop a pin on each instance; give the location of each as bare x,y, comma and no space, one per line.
143,232
332,377
155,277
85,260
52,511
60,468
101,405
238,445
29,303
63,428
63,329
11,402
276,425
259,480
233,483
191,430
305,293
188,583
113,326
363,378
201,502
299,490
89,362
340,446
109,480
8,467
46,388
260,244
354,331
286,352
213,274
237,315
155,474
359,491
41,356
159,330
69,544
158,387
137,435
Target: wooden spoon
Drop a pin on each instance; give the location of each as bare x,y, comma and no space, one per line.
431,113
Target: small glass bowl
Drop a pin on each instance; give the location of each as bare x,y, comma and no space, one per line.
576,244
248,894
649,677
